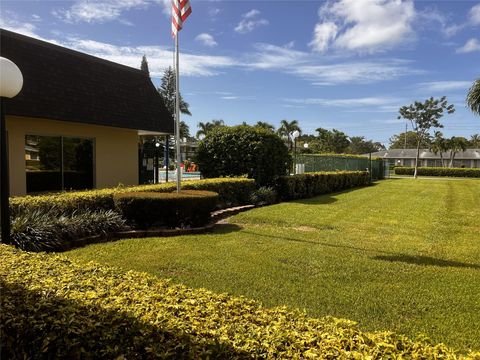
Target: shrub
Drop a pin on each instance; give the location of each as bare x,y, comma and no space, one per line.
187,208
439,171
49,231
232,192
243,150
55,308
312,184
264,196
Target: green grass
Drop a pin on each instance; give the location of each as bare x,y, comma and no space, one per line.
402,255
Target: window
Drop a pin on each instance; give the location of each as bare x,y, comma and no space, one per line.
58,163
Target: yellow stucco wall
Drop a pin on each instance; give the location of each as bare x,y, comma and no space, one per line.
116,150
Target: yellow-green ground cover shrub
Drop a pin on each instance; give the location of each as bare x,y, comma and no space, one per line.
438,171
146,209
232,192
312,184
55,308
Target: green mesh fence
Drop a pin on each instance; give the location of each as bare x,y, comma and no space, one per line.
317,162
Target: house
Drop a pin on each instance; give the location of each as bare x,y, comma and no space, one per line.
77,120
469,158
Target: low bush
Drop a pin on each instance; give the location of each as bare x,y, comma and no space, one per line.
311,184
50,231
439,171
232,192
264,196
54,308
184,209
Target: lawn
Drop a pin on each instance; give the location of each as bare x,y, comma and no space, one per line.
403,255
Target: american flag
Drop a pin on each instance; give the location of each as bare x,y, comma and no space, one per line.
180,11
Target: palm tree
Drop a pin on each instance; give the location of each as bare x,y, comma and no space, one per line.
205,128
456,144
286,129
265,125
475,141
439,145
184,130
473,97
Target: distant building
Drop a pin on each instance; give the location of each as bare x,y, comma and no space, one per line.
76,123
469,158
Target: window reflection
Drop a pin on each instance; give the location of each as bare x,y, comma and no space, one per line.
58,163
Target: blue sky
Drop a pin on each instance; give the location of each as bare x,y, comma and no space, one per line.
347,64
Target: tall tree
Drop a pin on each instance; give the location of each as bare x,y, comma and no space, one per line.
455,145
439,145
334,141
473,97
423,117
286,129
474,141
167,92
144,65
205,128
409,138
184,130
358,145
265,125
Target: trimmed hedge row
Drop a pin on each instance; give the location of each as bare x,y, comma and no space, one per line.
146,209
439,171
54,308
232,192
352,156
312,184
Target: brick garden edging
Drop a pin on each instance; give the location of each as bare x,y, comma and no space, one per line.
216,218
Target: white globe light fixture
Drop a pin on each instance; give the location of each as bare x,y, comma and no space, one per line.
11,82
305,146
11,79
295,135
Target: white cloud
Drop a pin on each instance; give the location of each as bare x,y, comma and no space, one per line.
352,102
250,22
474,15
268,56
206,39
323,35
470,46
213,12
443,85
158,57
103,10
310,68
432,16
10,23
364,26
252,13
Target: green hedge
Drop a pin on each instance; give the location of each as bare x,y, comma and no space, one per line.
439,171
232,192
146,209
243,150
53,308
312,184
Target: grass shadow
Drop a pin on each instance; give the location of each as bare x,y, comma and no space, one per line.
328,198
225,228
425,261
42,325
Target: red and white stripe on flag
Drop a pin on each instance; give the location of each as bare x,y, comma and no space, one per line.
180,11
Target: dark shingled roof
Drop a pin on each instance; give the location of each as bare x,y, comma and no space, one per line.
62,84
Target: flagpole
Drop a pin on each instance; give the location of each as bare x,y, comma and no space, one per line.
177,113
